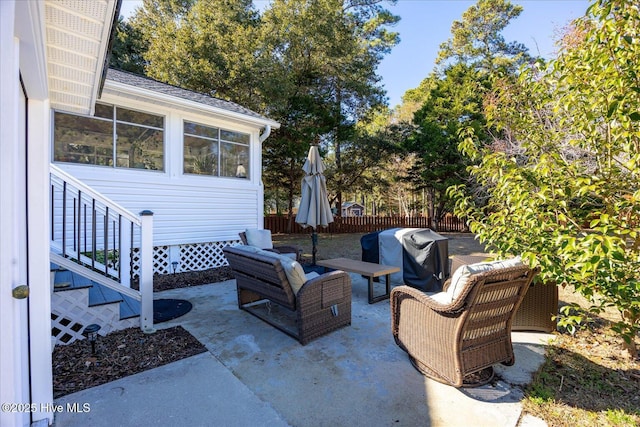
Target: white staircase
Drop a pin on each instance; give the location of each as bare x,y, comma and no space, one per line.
98,249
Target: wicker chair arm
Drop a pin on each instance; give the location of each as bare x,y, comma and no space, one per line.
421,326
401,292
327,289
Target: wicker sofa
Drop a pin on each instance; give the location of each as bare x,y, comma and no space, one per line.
321,305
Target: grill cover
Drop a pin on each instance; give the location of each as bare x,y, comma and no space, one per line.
424,260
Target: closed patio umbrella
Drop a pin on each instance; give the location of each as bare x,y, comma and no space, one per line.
314,210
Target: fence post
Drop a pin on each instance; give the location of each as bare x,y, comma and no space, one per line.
146,272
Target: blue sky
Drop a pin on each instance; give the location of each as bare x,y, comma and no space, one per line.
425,24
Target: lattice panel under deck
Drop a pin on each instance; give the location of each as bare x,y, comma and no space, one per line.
161,264
74,304
203,256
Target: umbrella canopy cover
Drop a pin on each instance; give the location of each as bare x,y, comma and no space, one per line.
314,207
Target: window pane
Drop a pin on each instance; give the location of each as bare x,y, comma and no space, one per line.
234,136
122,114
201,130
80,139
104,111
200,156
138,147
234,160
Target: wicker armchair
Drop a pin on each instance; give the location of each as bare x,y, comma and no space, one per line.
539,307
458,342
282,249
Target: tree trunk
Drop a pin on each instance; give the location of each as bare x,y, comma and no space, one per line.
291,194
338,152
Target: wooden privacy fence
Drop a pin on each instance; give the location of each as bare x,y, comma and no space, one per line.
364,224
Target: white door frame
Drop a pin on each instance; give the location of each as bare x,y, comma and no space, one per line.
14,355
25,324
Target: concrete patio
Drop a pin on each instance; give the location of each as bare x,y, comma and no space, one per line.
253,374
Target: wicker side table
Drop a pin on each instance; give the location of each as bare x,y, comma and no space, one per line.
538,308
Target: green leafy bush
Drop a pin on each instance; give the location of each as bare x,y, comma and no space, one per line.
561,187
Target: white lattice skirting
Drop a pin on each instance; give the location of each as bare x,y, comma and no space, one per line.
70,314
191,257
203,256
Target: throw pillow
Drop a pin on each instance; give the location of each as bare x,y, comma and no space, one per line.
259,238
293,270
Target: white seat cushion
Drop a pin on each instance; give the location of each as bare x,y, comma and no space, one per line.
291,255
461,276
311,275
259,238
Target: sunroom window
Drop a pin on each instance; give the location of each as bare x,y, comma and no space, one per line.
133,138
216,152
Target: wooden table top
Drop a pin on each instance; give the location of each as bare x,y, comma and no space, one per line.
360,267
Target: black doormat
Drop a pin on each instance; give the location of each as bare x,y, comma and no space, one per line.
167,309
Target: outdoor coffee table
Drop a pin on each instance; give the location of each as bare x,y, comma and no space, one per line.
368,269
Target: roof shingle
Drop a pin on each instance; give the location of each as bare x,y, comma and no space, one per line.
136,80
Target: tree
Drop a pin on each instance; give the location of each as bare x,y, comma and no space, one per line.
129,47
373,143
478,42
454,102
452,98
321,59
355,86
568,199
207,49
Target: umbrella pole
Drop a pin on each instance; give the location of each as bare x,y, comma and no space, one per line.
314,243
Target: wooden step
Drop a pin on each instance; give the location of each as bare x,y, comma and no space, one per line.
98,294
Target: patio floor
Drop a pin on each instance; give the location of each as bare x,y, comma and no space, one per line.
254,375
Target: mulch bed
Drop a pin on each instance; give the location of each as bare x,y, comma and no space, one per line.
130,351
118,355
164,282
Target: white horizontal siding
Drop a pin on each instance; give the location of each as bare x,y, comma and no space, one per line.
186,209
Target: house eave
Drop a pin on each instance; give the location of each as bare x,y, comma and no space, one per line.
132,92
78,36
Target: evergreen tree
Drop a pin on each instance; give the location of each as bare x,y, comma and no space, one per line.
207,49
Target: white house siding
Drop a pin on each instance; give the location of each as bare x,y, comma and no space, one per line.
185,209
188,209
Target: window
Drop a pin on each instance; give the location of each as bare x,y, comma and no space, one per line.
133,138
216,152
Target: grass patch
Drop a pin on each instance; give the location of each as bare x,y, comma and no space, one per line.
587,380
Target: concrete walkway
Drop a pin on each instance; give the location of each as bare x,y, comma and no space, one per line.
255,375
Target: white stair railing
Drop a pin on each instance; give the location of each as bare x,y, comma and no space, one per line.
94,236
